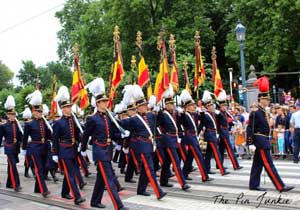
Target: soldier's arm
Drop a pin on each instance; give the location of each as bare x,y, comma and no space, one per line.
89,126
25,136
55,137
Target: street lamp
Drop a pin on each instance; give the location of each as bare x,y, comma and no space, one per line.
240,32
230,82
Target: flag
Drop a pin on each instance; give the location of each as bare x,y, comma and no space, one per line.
218,86
174,72
143,76
118,72
53,108
149,90
78,90
162,79
199,76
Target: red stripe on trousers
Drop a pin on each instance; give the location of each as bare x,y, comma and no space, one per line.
11,172
81,166
176,167
37,175
217,158
231,156
148,172
183,156
107,185
269,169
159,157
201,168
134,159
68,177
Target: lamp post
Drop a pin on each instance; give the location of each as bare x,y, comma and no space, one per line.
240,32
230,82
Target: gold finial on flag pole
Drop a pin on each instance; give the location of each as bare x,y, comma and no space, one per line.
172,41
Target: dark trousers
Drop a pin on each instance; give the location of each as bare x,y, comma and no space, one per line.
262,158
82,164
13,180
171,156
148,175
40,184
132,165
69,182
212,149
122,160
296,144
225,144
195,152
105,177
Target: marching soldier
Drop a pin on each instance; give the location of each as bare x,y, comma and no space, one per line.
12,133
66,137
168,121
208,120
99,126
27,160
258,132
133,163
223,130
189,120
142,127
39,131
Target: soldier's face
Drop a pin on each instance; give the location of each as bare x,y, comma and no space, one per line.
102,105
37,114
210,108
67,110
131,112
11,117
170,107
142,108
191,108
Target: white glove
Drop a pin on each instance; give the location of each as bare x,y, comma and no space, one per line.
79,147
118,147
55,158
125,134
29,139
179,140
23,152
154,148
83,154
217,135
217,112
156,108
179,109
125,150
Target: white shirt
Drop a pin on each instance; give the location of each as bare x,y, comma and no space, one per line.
295,119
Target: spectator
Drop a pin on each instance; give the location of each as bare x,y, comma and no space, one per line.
280,136
295,125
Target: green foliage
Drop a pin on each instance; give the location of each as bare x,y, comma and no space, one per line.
6,76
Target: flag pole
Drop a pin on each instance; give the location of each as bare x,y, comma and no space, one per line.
172,47
133,68
197,63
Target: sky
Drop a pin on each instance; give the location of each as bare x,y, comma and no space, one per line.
35,39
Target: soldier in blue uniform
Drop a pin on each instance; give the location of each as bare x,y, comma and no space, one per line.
39,131
168,120
133,162
27,160
66,137
142,127
223,130
258,132
190,122
12,133
100,127
208,120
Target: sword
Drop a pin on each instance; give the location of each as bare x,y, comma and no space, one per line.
20,127
122,130
77,123
47,124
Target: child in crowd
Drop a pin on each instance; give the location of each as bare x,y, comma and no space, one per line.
280,136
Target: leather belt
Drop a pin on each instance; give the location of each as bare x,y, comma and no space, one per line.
142,138
42,141
67,141
100,144
225,127
211,129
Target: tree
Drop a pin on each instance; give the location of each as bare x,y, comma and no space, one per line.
28,73
6,76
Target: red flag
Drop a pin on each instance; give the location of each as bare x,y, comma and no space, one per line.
162,80
218,85
143,76
174,72
199,75
78,90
